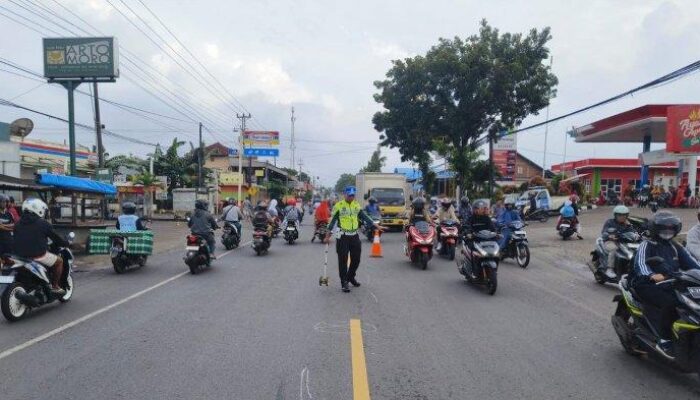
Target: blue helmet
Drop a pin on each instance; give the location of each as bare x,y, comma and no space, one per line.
350,190
567,212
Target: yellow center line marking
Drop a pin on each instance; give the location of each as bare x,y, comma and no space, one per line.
360,385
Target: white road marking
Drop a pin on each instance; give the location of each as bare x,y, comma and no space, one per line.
93,314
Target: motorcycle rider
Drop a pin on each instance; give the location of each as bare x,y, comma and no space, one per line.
480,219
202,224
509,215
128,221
660,301
693,239
347,214
619,222
7,225
31,236
568,212
262,220
231,214
446,212
465,209
372,208
291,214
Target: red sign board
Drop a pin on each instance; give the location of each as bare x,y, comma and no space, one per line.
683,129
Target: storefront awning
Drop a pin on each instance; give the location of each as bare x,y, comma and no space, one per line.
575,178
73,183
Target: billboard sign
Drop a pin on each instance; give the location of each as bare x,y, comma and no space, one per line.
230,179
261,138
505,154
683,129
95,58
232,152
261,152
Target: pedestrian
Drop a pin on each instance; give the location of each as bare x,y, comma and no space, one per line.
347,214
7,225
12,208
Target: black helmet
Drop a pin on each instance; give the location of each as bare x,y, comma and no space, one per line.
128,207
418,203
201,204
445,202
372,200
665,225
464,201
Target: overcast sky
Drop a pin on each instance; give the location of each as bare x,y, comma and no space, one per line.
323,56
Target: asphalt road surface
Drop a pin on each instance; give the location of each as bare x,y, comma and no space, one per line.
261,328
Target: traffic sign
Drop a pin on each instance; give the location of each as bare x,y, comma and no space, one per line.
261,152
232,152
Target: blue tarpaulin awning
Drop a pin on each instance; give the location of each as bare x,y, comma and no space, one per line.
76,184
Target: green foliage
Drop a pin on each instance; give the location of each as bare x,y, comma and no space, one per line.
343,181
376,162
556,182
128,161
182,170
461,91
146,179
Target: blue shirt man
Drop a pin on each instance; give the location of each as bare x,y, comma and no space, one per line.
508,215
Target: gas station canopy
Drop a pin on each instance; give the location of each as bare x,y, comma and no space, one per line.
628,127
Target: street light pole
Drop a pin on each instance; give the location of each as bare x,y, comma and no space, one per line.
243,117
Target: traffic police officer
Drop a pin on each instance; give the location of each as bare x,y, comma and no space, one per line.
347,214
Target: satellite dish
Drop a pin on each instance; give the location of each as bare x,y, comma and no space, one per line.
21,127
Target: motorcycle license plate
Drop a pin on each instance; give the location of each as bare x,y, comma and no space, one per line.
290,229
519,232
694,292
192,248
633,246
7,279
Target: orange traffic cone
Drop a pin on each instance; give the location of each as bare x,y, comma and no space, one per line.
376,246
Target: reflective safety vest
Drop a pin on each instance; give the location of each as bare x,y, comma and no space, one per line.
348,219
127,223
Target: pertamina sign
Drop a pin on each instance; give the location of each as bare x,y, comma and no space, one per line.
683,129
81,58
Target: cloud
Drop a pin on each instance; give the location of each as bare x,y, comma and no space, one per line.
212,50
387,50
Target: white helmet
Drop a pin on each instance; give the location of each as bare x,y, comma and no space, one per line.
35,206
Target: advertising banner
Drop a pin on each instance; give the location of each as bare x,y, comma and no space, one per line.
505,154
230,179
683,129
81,58
261,139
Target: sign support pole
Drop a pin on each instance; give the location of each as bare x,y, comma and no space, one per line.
70,87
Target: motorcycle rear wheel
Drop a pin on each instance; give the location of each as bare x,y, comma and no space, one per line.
522,257
119,267
544,217
451,252
11,307
423,260
492,283
69,290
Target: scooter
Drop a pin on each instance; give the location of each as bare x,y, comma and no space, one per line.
481,256
121,259
627,245
566,228
517,247
197,255
290,232
638,336
230,237
26,284
449,236
320,232
261,241
368,230
419,243
540,214
276,227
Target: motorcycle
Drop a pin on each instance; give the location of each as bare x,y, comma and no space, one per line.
638,336
540,214
566,228
276,227
480,264
230,237
449,235
261,241
320,232
627,246
26,284
121,259
517,247
290,232
197,254
368,230
419,243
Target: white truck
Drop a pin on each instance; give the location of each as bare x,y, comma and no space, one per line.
391,191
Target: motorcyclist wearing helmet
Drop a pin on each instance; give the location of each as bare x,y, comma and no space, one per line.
128,221
693,239
419,211
445,212
347,214
31,236
7,225
618,225
465,209
291,214
372,208
232,215
504,220
262,220
568,214
660,301
480,219
203,224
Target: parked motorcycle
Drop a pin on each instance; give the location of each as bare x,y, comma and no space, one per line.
197,255
320,232
121,259
449,235
419,243
261,241
481,255
540,214
291,233
637,335
566,228
230,237
627,246
26,284
517,247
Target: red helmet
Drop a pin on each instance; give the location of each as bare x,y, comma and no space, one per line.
292,202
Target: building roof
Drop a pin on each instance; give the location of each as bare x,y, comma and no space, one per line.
547,173
608,163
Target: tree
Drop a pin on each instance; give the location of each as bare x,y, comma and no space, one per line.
128,161
182,170
149,183
461,92
376,162
343,181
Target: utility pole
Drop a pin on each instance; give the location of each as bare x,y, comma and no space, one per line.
98,128
490,165
243,117
199,158
301,163
292,146
546,129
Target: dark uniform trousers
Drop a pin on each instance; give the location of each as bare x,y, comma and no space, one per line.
348,245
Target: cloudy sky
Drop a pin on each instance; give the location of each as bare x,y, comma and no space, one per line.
322,57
